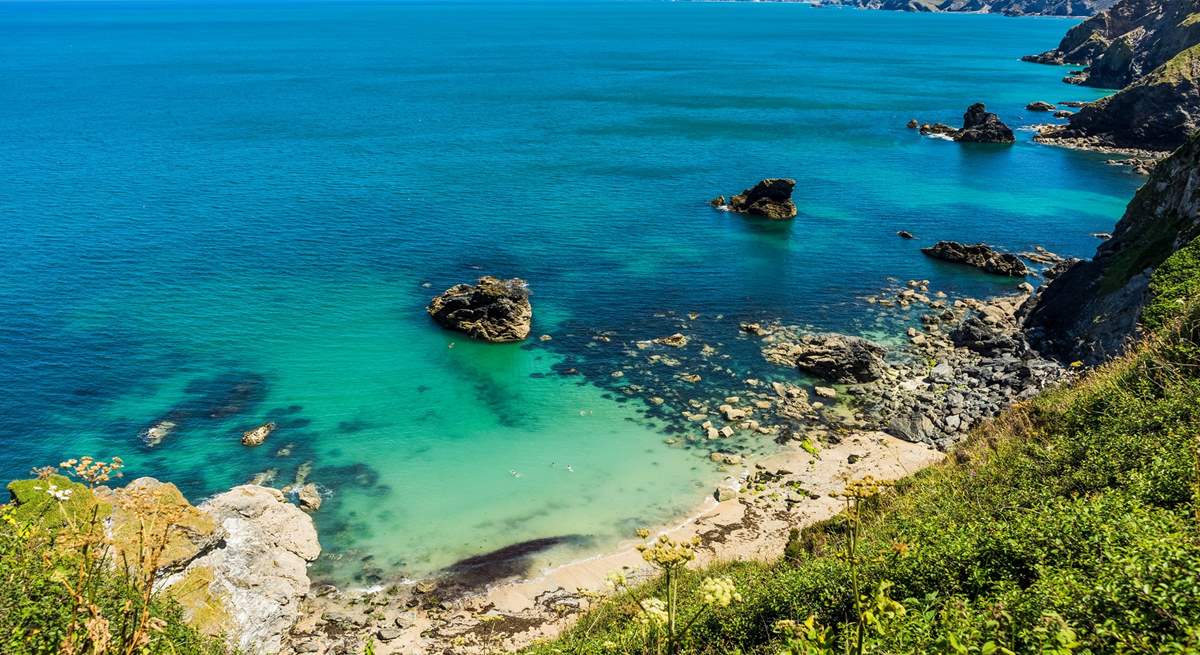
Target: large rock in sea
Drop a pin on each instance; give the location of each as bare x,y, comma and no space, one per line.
833,357
237,564
770,198
979,255
979,126
982,126
1091,311
491,310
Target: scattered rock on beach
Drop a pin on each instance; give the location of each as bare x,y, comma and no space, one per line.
492,310
979,255
834,357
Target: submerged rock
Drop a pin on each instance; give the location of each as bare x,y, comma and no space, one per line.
979,255
676,340
155,434
833,357
770,198
492,310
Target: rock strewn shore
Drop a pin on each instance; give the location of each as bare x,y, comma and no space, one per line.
981,365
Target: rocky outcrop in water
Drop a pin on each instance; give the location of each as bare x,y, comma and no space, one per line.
492,310
1090,311
1127,41
258,435
1157,112
979,255
979,126
833,357
1006,7
770,198
982,126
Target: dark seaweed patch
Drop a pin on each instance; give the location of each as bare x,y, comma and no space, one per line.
508,562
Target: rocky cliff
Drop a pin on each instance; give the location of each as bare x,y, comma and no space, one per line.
1090,310
1128,40
1007,7
237,563
1159,111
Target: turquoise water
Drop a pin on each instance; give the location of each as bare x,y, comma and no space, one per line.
229,212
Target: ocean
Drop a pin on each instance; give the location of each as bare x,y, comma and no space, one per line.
224,213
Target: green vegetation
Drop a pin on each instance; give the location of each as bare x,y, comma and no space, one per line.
1176,280
1068,525
62,588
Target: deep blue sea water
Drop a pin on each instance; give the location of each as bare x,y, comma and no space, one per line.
227,211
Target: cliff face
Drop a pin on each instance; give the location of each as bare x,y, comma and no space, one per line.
1091,310
237,563
1007,7
1157,112
1127,41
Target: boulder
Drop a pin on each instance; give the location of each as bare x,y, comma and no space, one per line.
770,198
491,310
834,357
309,497
913,124
982,126
914,426
1039,106
979,255
984,337
250,587
905,234
258,435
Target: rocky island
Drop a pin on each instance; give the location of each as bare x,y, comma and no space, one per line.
979,126
492,309
770,198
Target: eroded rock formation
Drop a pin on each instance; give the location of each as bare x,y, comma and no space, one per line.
492,309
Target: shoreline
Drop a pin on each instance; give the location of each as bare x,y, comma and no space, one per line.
511,614
762,498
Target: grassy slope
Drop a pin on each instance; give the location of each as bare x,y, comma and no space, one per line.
1070,524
